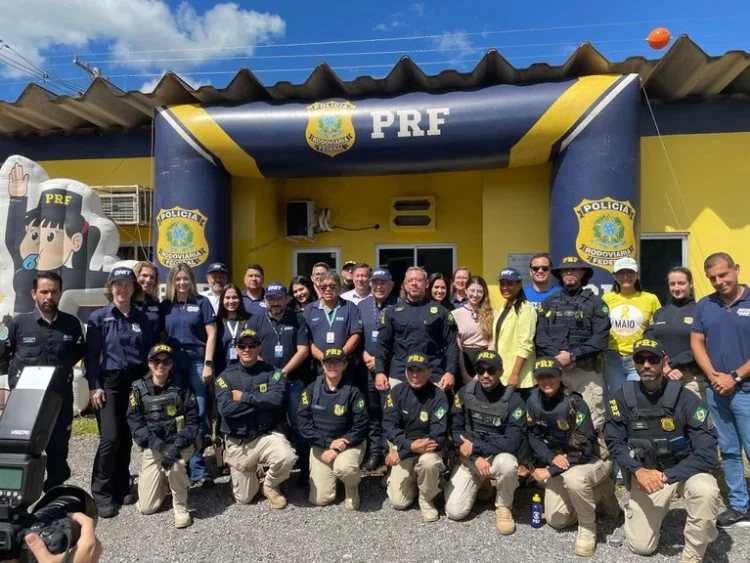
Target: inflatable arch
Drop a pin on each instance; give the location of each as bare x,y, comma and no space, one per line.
587,126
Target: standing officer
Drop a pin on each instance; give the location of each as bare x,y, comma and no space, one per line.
217,279
119,340
254,292
573,327
333,419
347,274
163,417
372,309
566,448
416,324
48,337
488,426
415,422
250,399
663,436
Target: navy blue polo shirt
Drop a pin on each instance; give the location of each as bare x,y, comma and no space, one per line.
185,323
225,352
343,322
288,333
456,302
254,306
371,313
726,329
150,307
115,342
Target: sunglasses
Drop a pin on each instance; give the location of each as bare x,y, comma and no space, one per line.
327,287
489,370
641,359
540,268
160,361
251,346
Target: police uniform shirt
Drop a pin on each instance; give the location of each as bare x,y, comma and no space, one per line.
159,428
671,326
690,421
150,307
412,414
225,352
279,339
371,313
115,343
321,410
331,329
423,327
261,407
30,341
548,433
256,306
185,323
576,321
505,437
727,331
456,302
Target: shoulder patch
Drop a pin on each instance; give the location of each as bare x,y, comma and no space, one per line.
277,375
605,309
303,398
518,413
457,401
221,383
700,415
580,417
450,318
440,413
360,406
614,408
433,310
388,401
132,400
4,333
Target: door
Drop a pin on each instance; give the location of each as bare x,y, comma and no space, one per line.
659,254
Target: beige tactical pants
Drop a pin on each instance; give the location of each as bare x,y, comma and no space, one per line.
590,384
270,450
155,482
323,475
645,513
464,484
572,495
419,473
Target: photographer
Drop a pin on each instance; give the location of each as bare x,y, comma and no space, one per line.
87,550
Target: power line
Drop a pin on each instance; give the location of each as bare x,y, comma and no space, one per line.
406,38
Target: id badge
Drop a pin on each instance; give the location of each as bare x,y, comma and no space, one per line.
232,354
330,338
278,351
374,336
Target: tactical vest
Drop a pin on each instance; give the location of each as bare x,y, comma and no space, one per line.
569,320
485,418
330,411
160,411
260,421
555,424
415,424
658,439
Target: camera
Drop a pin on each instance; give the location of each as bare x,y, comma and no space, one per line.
25,428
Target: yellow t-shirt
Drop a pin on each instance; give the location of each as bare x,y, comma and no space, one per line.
630,315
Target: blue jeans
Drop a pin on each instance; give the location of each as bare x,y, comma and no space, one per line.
189,372
294,391
617,370
731,415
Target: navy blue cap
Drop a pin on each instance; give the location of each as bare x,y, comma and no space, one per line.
218,267
276,288
121,273
381,274
510,274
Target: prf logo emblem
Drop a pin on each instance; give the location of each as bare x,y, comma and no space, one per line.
606,231
182,237
330,130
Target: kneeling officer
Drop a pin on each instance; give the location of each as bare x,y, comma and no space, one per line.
663,436
250,400
333,418
163,418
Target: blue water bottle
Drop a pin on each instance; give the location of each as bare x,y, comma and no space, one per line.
535,516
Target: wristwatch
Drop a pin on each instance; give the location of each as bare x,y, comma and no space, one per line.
736,377
208,364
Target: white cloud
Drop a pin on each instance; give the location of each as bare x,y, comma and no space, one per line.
417,8
380,27
391,25
150,85
135,25
455,43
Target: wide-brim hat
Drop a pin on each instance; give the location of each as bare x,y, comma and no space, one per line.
572,263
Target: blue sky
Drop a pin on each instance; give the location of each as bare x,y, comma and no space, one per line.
134,41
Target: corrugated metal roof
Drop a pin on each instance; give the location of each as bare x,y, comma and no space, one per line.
685,72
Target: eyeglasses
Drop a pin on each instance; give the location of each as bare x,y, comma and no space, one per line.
251,346
328,287
540,268
641,359
489,370
160,361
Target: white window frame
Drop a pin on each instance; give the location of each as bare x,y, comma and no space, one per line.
296,251
415,248
683,237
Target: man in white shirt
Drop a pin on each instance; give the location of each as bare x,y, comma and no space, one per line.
361,284
217,279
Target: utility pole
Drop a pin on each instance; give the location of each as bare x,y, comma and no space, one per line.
93,73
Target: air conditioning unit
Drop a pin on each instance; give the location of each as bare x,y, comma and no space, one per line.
126,205
300,220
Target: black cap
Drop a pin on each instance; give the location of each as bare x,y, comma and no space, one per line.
160,349
217,267
648,345
489,357
248,333
417,361
334,354
547,365
59,205
571,263
349,264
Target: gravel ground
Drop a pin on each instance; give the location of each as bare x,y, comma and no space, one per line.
224,531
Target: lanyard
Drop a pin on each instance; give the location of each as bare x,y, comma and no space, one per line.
233,331
332,316
276,332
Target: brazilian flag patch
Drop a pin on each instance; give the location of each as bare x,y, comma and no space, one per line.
440,413
518,413
605,310
360,405
700,414
580,417
277,375
450,319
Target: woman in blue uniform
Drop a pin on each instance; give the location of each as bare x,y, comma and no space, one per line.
231,320
118,341
190,327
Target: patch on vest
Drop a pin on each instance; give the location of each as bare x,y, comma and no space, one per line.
360,405
667,424
440,413
457,401
700,414
304,398
423,416
497,421
263,387
171,410
614,408
563,425
433,310
277,375
221,383
338,410
132,400
580,417
389,401
518,413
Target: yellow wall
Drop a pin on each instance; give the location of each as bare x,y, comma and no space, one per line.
706,197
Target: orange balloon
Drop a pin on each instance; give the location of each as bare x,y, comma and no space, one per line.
659,38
